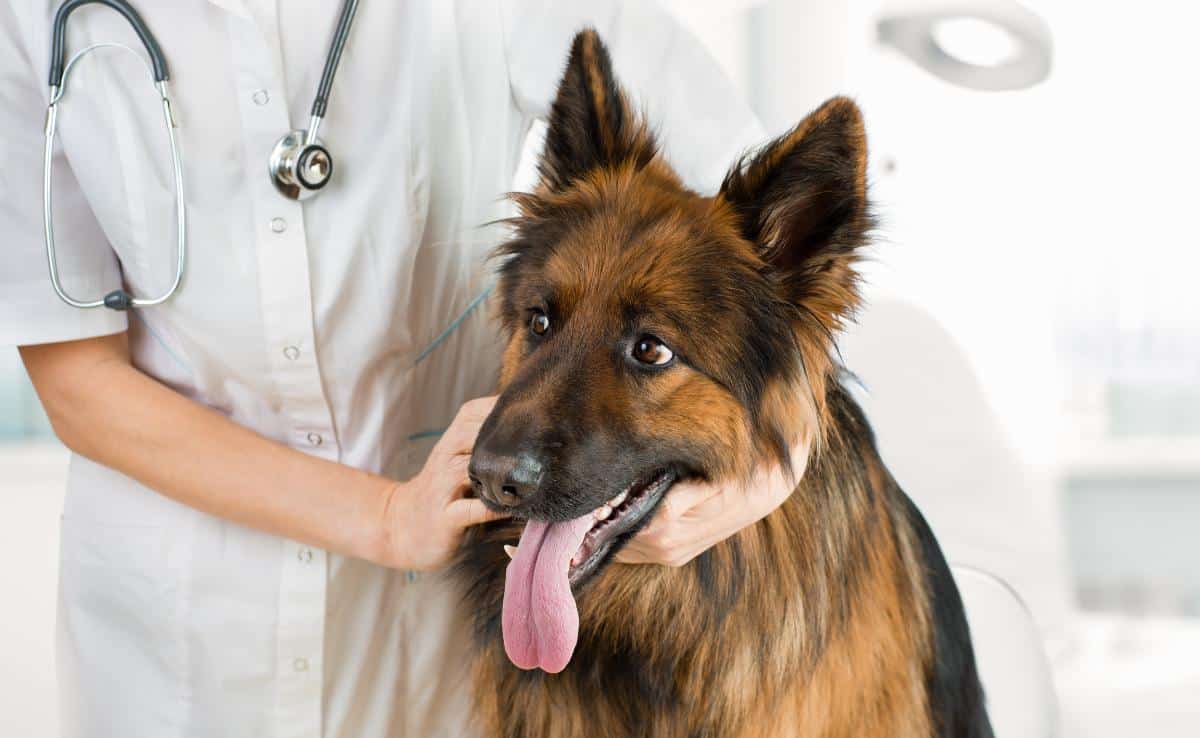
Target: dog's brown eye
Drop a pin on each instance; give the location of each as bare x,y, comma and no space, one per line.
650,350
539,323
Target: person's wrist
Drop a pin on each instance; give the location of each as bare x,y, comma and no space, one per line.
382,544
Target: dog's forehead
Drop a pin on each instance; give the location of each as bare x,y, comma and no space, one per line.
644,249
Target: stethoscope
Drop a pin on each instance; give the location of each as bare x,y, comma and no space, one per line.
299,166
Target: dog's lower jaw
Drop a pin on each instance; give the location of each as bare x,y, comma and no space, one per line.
636,508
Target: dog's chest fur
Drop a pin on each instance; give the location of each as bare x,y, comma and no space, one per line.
812,623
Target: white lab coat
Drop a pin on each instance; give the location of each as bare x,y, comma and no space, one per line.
350,326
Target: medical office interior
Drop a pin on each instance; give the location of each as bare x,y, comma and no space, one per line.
1030,353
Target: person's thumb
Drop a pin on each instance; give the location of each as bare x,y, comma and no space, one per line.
468,511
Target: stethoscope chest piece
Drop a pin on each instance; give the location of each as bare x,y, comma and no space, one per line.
299,165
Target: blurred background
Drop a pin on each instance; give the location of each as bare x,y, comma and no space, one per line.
1031,355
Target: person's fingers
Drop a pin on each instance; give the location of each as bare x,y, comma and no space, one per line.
468,511
456,482
635,552
684,496
458,463
696,516
713,506
460,436
658,542
678,541
718,518
639,552
479,408
667,528
474,412
684,557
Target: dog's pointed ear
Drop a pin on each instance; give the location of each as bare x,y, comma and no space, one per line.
803,200
590,124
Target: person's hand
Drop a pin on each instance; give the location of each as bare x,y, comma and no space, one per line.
425,517
696,516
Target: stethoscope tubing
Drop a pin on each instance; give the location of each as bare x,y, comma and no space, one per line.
60,71
58,51
59,76
334,57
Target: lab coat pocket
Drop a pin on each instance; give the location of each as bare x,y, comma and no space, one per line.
119,616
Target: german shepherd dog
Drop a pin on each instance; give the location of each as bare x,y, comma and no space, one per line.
655,334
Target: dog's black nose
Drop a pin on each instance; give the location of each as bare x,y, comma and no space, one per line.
505,479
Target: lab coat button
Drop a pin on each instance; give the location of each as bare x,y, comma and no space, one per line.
305,555
291,352
260,97
300,665
315,439
278,225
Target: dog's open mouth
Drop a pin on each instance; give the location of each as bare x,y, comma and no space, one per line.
620,515
540,620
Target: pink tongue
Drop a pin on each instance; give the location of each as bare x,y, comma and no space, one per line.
540,622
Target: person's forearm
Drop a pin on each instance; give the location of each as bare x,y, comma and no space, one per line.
104,408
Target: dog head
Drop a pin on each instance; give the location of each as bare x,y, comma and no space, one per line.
656,334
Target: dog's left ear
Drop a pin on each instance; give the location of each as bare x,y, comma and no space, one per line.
803,200
591,125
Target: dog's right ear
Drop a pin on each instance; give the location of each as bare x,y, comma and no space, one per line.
590,124
802,200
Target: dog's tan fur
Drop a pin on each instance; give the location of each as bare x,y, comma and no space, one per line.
820,620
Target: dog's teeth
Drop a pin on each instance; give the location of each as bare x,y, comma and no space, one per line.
510,550
618,499
602,512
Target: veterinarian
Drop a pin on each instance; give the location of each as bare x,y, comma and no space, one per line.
264,460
